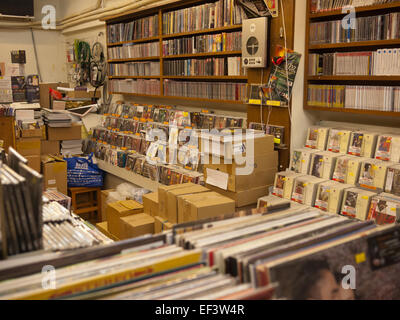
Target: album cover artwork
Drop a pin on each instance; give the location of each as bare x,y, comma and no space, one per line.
257,126
296,161
298,192
356,144
350,204
138,168
367,174
18,89
323,198
317,166
176,177
156,115
383,212
334,141
312,138
279,185
383,148
326,274
340,172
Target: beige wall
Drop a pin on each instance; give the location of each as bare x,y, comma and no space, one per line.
48,44
301,120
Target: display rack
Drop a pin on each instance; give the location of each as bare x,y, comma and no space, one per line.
129,176
349,47
128,17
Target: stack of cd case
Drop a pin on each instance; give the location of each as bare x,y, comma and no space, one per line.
305,190
388,148
347,169
283,184
20,206
362,144
384,209
392,184
356,203
330,196
338,140
317,138
300,160
323,164
373,174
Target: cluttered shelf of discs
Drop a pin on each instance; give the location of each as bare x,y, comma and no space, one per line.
332,12
151,55
354,71
132,177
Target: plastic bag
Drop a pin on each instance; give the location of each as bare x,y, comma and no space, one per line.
82,172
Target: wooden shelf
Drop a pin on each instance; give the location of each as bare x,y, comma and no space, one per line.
354,78
152,39
129,176
356,111
134,77
205,54
206,77
133,59
137,94
130,16
205,100
179,98
372,9
204,31
350,45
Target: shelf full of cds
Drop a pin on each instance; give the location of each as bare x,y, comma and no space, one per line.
354,173
146,51
353,69
151,145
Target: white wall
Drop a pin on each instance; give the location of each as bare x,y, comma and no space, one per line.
51,56
301,119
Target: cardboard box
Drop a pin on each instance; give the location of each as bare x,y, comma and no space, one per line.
204,205
34,162
265,168
45,95
58,105
32,133
103,228
72,133
161,225
162,197
28,146
104,195
229,148
118,210
136,225
172,201
79,94
50,147
54,171
150,203
243,198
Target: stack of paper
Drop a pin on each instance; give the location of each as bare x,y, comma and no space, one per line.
71,147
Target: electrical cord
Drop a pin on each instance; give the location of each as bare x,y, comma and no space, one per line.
286,57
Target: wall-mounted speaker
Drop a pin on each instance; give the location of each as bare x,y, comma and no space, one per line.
255,43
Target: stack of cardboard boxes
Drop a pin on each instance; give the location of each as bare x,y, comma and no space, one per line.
163,209
28,144
242,170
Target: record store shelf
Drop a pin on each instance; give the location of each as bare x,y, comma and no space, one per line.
128,176
371,45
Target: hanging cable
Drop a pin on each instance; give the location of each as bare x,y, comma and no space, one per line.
286,57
